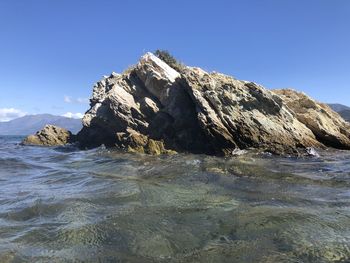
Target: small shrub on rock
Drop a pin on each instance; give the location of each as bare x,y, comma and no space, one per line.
169,59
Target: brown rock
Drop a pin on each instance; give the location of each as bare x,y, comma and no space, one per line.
152,108
327,125
50,135
243,114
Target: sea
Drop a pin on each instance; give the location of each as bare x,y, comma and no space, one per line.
62,204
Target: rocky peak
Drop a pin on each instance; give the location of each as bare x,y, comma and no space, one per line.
153,65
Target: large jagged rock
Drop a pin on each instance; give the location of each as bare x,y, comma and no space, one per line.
244,114
50,135
152,106
149,101
327,125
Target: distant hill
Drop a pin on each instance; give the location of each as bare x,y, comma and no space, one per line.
32,123
343,110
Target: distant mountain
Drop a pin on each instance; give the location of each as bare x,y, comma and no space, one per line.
338,107
32,123
343,110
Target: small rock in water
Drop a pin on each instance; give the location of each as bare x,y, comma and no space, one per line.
312,152
50,135
193,162
237,152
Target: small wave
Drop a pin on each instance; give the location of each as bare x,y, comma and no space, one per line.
17,164
67,148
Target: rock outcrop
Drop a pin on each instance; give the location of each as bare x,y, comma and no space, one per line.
248,115
152,108
200,112
327,125
50,135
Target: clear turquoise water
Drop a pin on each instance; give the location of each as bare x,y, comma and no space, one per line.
66,205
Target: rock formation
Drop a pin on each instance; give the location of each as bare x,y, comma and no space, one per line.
50,135
327,125
152,108
199,112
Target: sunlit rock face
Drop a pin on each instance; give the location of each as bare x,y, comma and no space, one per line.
152,108
327,125
50,135
150,102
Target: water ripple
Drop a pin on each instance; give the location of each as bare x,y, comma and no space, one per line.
60,204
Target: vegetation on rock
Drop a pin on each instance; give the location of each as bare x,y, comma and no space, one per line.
169,59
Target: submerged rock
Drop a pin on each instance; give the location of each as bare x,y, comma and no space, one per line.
50,135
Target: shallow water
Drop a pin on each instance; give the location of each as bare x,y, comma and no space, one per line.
65,205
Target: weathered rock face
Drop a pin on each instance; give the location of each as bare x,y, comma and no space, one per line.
147,102
50,135
327,125
154,109
246,114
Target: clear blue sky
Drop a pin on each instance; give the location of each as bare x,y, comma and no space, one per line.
57,48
